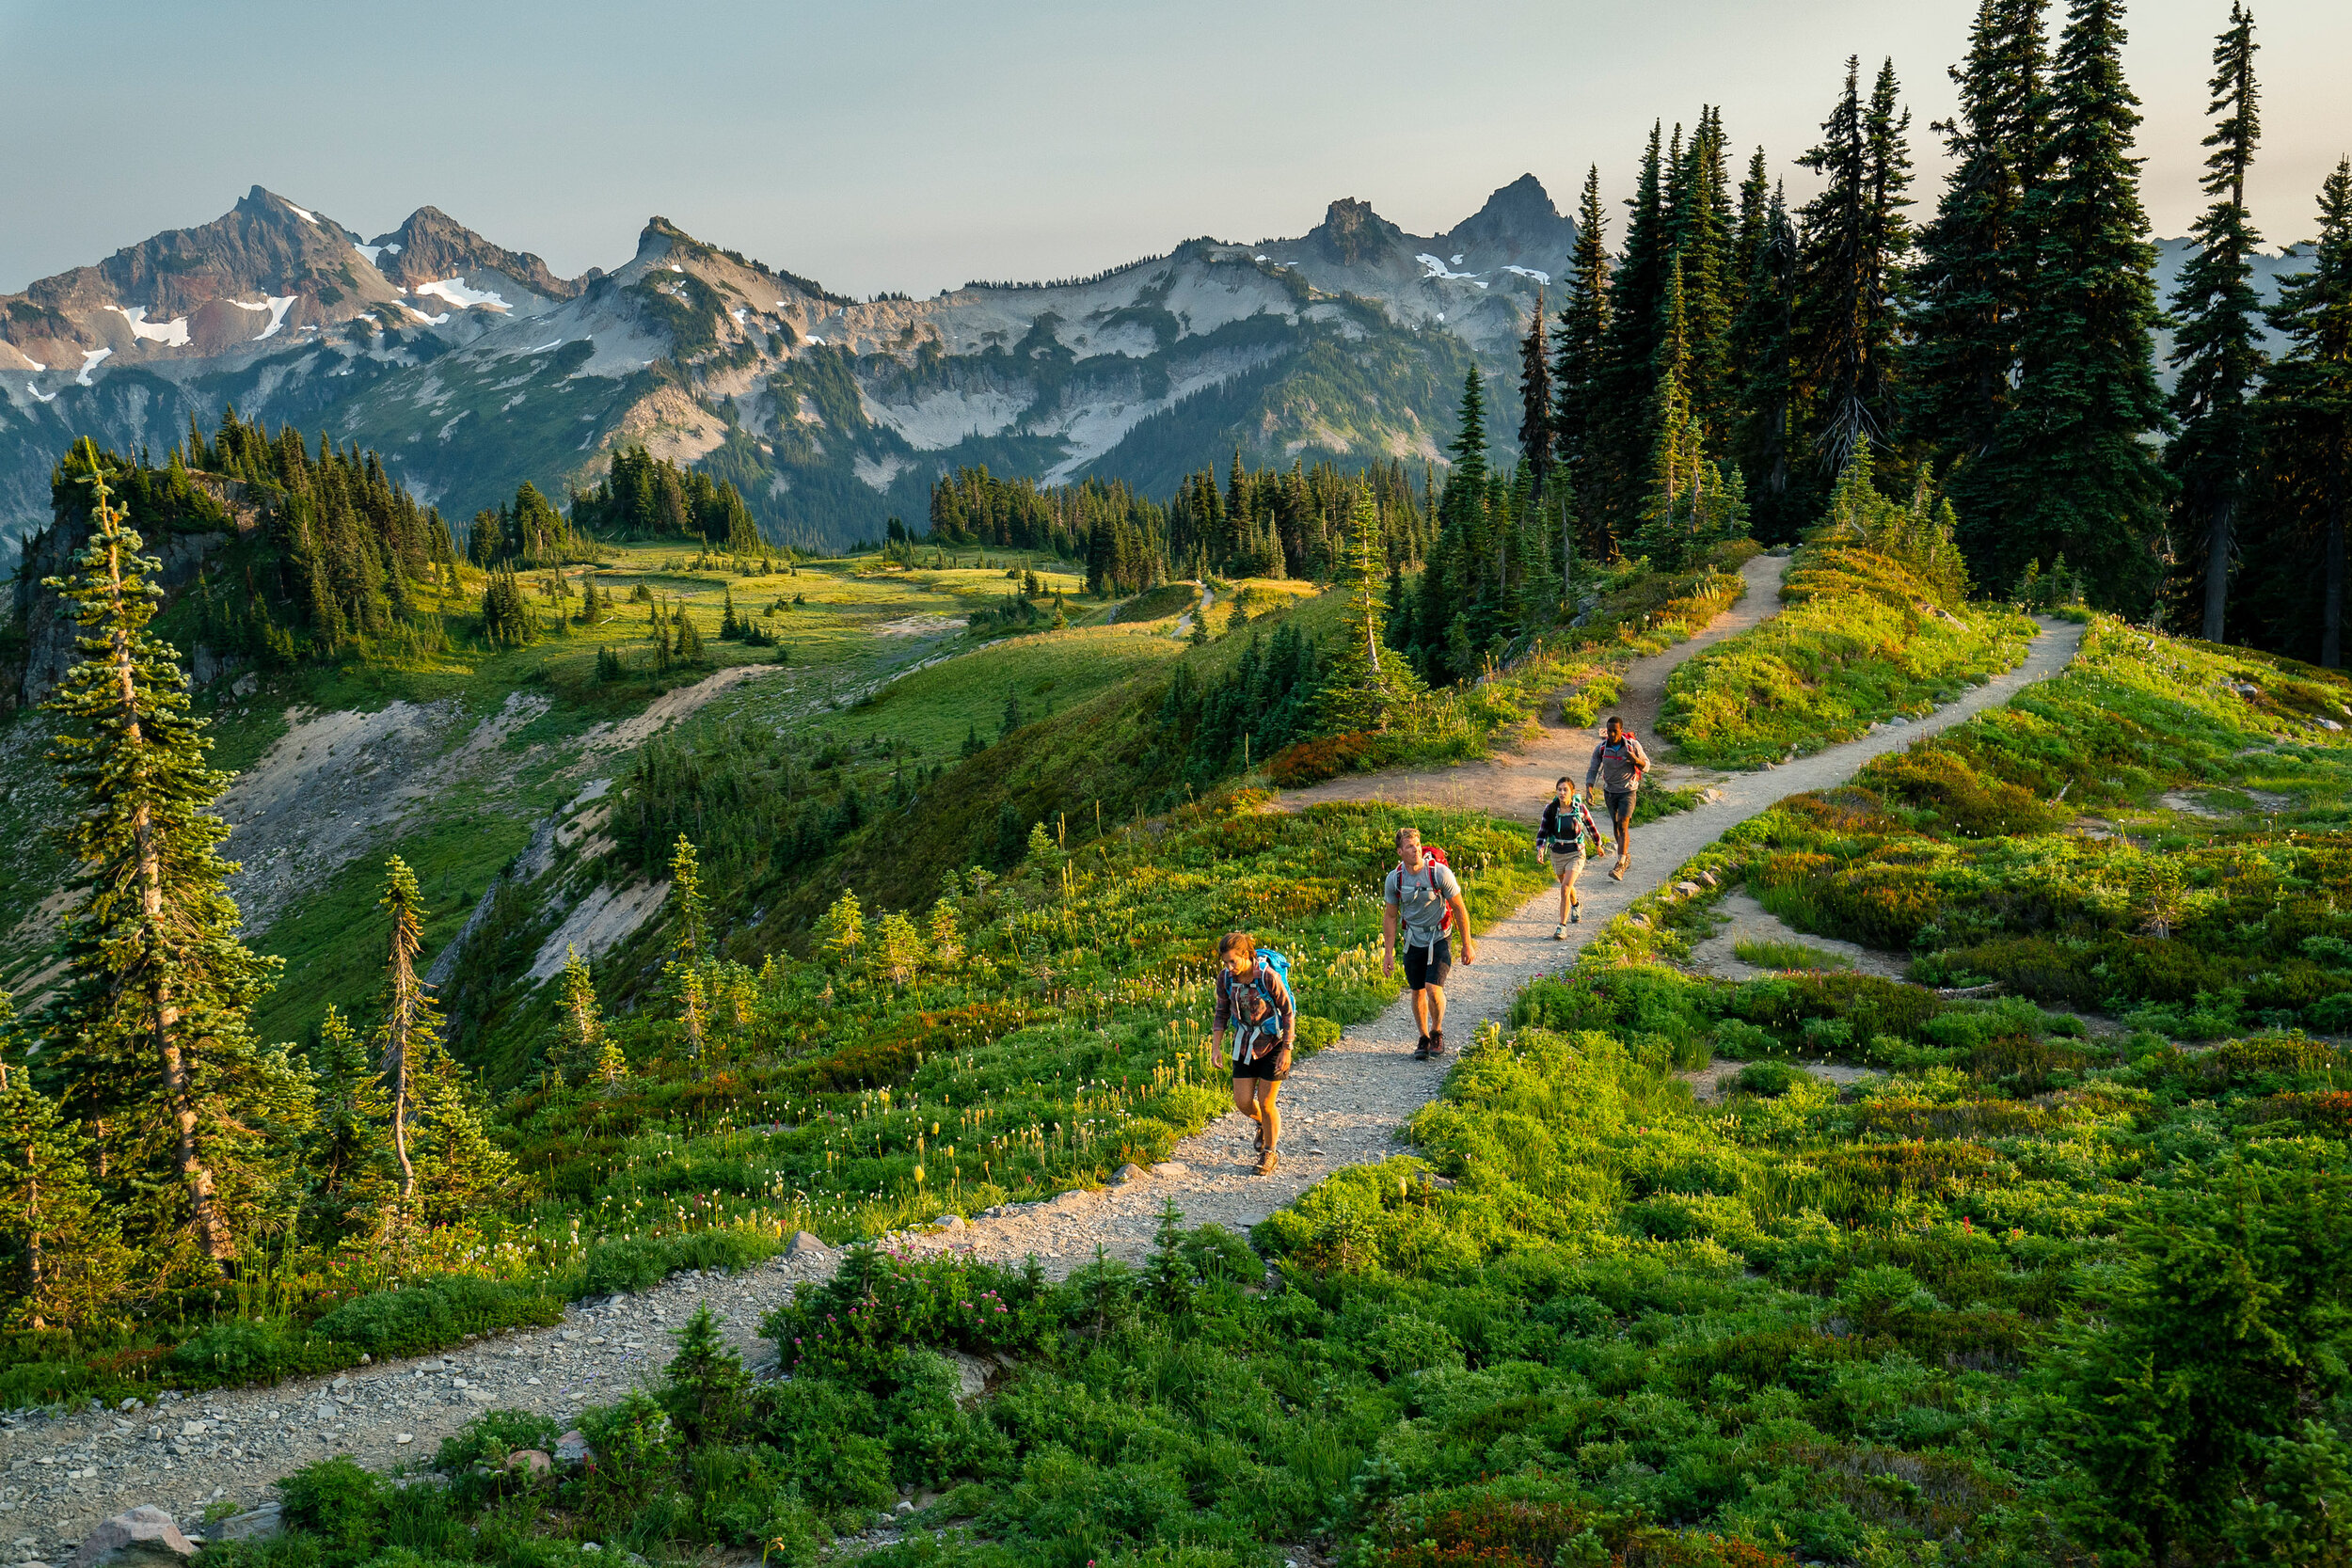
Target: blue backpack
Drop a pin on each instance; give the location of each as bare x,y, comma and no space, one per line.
1279,964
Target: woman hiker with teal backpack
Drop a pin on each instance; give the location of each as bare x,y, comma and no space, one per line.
1253,999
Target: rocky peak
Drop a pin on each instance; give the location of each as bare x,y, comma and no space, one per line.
432,246
1352,234
1517,221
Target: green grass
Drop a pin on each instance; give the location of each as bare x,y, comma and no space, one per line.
1861,641
1781,954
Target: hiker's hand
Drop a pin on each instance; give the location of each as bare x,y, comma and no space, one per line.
1388,962
1469,954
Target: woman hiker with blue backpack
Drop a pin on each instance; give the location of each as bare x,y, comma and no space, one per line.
1253,999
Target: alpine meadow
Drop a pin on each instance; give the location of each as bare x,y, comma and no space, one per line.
1659,886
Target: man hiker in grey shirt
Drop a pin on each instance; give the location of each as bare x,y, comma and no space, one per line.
1618,763
1416,896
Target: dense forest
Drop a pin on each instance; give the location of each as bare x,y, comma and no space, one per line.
1734,354
649,498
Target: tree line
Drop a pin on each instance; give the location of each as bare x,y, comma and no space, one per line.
644,497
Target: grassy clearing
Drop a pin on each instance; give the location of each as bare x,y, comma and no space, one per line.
1862,641
1787,955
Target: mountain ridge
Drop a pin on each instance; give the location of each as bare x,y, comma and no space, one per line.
473,366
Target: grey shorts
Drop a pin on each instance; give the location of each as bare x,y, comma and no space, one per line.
1621,804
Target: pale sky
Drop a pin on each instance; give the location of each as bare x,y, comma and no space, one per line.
913,145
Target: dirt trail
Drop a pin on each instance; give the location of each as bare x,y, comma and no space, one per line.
1517,784
61,1475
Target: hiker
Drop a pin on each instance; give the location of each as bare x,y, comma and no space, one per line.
1422,899
1618,763
1254,1000
1560,835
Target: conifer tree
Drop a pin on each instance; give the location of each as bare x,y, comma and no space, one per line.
2306,415
2216,344
61,1253
1629,372
409,1040
1367,685
688,910
1854,237
841,929
1764,352
1536,436
2077,473
347,1158
579,1034
897,948
1578,422
947,942
154,1023
1972,281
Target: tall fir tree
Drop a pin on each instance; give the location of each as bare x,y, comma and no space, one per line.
1368,684
202,1121
1628,378
2217,343
1701,245
1854,239
2305,411
1579,419
409,1042
2079,474
1764,352
1972,279
1535,409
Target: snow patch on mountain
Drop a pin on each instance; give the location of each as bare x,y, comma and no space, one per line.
1543,278
89,363
429,321
306,217
173,334
277,305
454,291
1093,428
1438,269
44,396
944,416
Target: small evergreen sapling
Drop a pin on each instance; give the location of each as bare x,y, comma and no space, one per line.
706,1392
61,1252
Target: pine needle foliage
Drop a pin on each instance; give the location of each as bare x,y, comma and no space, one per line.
154,1024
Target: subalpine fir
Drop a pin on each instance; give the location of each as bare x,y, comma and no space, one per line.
200,1120
2075,468
2216,345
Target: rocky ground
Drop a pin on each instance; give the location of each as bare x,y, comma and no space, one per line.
63,1472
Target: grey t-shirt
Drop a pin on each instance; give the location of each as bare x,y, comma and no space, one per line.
1420,898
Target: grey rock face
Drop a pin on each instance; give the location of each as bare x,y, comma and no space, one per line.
142,1535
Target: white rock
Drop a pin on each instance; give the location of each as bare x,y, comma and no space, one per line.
951,1222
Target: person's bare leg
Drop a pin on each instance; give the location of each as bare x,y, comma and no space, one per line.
1421,1009
1436,1008
1270,1114
1245,1102
1567,885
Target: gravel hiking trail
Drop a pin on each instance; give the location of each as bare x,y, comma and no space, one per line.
1516,784
61,1473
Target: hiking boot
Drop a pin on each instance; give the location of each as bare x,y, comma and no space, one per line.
1266,1163
1421,1052
1560,932
1616,872
1575,912
1437,1044
1258,1143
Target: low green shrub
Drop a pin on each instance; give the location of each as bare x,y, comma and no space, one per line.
428,1313
633,1263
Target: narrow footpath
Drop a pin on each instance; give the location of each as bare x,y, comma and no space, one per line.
61,1475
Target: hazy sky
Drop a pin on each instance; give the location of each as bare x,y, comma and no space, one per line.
910,144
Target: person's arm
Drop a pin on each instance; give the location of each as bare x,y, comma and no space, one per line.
1388,938
1593,771
1224,1012
1288,1008
1641,758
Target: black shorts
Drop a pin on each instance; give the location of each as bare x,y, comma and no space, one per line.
1429,966
1621,804
1261,1067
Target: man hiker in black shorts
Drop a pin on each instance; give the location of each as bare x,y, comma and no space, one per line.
1618,763
1416,896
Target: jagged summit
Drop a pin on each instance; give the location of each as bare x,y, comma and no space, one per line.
433,245
1517,221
